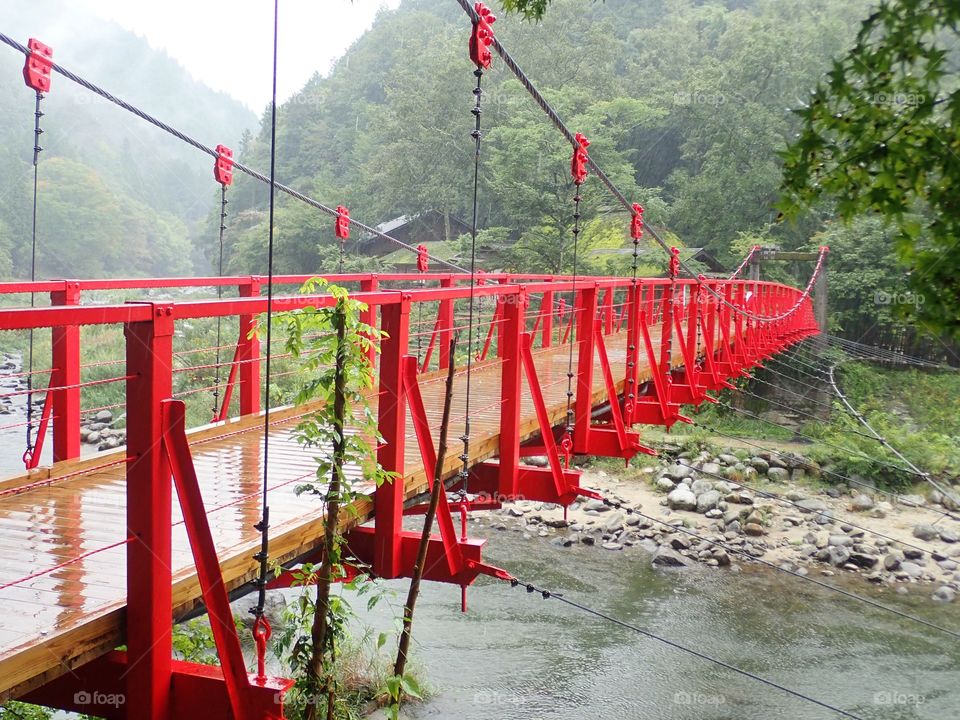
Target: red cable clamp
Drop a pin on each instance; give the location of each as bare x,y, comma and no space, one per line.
578,164
482,36
223,165
38,66
674,262
423,261
636,222
342,226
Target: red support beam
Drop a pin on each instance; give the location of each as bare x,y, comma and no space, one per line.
149,492
511,392
248,356
369,316
388,498
66,374
586,317
445,324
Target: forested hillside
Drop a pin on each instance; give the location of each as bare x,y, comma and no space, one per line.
117,197
686,105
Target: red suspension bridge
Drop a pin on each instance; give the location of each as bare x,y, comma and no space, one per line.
99,552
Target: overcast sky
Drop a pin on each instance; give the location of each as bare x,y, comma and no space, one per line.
227,44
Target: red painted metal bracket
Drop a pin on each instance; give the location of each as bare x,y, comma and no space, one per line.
223,166
341,226
38,66
31,456
615,441
482,36
100,688
238,682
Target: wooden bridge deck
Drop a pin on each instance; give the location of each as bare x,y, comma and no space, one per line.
62,541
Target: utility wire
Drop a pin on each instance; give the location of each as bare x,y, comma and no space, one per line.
7,40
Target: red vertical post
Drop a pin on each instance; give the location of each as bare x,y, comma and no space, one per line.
66,374
388,499
511,393
586,310
546,319
608,311
634,294
249,354
149,578
445,325
499,319
369,316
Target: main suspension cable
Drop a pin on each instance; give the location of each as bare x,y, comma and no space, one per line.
37,149
7,40
618,194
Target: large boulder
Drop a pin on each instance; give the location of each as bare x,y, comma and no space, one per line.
810,505
701,486
665,557
677,472
945,594
862,503
682,498
925,531
893,560
665,484
707,501
778,474
759,464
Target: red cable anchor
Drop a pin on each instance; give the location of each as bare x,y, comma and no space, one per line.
223,165
578,163
482,36
423,260
674,262
38,66
342,225
636,222
261,634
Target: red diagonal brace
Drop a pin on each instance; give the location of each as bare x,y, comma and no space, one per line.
215,598
421,425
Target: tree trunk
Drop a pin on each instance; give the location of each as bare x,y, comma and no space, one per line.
320,631
438,487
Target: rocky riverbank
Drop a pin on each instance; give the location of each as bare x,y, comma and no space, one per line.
99,429
731,508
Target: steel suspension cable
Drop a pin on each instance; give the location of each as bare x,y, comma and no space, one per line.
883,441
37,149
780,568
617,193
216,376
476,134
7,40
548,594
833,473
264,525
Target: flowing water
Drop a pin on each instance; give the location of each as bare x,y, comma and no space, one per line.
516,656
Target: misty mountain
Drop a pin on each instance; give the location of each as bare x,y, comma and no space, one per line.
117,196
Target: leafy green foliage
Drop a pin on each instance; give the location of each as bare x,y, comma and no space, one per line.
879,136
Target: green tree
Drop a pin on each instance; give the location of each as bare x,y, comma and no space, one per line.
879,135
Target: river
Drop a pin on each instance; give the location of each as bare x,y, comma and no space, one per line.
516,656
